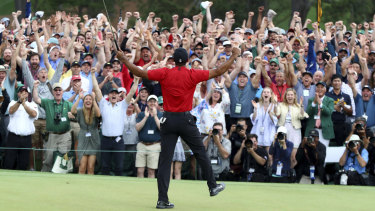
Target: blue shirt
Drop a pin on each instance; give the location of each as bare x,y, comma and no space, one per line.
69,94
150,131
361,108
243,97
309,93
279,154
88,77
352,162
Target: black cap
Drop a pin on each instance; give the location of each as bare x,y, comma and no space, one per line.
360,119
108,64
145,47
87,54
85,62
336,76
75,63
366,87
143,88
343,49
180,56
242,73
321,83
21,88
116,60
307,73
114,90
314,133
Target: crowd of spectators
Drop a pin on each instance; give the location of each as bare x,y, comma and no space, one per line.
290,95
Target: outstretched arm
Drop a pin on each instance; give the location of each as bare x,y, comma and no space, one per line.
95,85
224,67
134,69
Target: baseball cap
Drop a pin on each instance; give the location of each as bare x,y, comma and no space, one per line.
343,42
282,129
180,56
54,47
243,73
321,83
116,60
121,89
108,64
354,137
2,68
152,97
314,133
252,71
227,43
75,63
76,77
274,60
87,54
53,40
21,87
307,73
86,62
143,88
371,52
56,85
366,87
343,49
114,90
169,44
196,59
145,47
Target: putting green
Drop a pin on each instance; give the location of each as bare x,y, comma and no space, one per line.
24,190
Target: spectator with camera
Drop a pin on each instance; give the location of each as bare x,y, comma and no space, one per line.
253,159
57,122
353,161
236,135
218,150
359,128
310,158
279,154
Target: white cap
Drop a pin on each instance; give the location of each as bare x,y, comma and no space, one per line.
227,43
152,97
121,89
354,137
282,129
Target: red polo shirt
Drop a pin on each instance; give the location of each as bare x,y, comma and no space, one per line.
279,91
178,86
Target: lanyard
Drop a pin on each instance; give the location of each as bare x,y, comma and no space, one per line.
280,93
264,114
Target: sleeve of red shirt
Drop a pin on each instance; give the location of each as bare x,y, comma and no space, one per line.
157,74
126,78
199,75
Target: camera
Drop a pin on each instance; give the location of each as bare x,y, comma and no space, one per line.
239,128
280,136
351,144
310,140
215,132
249,143
57,117
325,56
359,126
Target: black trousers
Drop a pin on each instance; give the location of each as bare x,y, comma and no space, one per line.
180,124
341,133
17,158
109,144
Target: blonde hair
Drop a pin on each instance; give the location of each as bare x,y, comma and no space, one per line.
285,101
261,101
88,113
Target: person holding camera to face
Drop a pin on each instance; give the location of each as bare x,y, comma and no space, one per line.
279,155
359,128
371,157
253,159
353,160
310,157
236,135
218,149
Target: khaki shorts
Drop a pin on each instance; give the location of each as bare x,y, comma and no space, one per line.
147,155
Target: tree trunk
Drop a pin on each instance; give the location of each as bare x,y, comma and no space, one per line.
301,6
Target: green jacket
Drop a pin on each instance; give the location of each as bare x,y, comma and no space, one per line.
325,117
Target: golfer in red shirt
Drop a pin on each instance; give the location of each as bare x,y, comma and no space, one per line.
178,85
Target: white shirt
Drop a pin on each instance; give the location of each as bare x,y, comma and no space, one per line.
114,117
20,122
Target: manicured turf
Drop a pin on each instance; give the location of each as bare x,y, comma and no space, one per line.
23,190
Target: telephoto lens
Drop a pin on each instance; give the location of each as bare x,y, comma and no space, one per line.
351,144
280,136
249,143
215,132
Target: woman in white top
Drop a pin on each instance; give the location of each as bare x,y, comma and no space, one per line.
290,114
217,101
264,119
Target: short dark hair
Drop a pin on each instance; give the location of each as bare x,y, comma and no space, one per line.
241,120
218,123
252,135
34,54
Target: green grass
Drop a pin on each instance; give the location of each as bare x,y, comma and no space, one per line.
7,7
23,190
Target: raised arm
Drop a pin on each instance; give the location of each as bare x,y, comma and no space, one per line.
132,68
95,85
224,67
75,105
36,97
132,90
